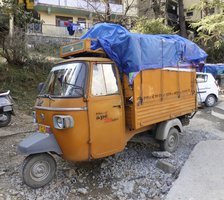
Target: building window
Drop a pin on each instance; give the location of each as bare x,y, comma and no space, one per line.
115,1
82,22
189,14
61,21
211,11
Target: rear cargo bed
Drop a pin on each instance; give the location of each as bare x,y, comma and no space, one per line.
158,95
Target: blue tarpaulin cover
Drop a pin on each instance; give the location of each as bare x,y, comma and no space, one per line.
214,69
136,52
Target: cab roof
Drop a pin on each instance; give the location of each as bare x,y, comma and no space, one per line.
87,59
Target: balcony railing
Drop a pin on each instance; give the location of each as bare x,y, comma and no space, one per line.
91,6
52,30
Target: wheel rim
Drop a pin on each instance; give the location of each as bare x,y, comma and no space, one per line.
40,171
3,117
210,101
172,142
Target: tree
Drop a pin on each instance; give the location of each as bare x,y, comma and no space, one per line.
154,26
14,47
210,29
19,12
104,13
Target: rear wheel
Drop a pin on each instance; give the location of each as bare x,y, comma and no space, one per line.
171,142
210,100
38,170
5,119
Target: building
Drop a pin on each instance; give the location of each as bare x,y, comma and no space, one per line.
167,9
56,13
192,15
29,4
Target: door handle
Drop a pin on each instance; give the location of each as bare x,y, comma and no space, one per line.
117,106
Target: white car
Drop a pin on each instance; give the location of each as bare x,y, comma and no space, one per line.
207,89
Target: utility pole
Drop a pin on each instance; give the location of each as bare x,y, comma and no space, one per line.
11,25
183,31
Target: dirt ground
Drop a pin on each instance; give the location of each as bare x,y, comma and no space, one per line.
131,174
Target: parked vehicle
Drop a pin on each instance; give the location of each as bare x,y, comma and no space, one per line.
85,112
88,109
207,89
6,108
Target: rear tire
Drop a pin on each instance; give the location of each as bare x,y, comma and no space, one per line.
38,170
5,119
210,100
172,141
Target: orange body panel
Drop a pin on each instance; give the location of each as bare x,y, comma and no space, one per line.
73,141
160,95
106,119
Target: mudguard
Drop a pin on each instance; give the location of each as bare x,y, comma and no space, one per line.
164,127
39,143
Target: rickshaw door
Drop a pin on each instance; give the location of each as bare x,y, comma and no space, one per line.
105,112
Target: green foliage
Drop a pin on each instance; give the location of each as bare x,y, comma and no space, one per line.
14,49
206,6
152,26
21,15
215,55
23,81
210,29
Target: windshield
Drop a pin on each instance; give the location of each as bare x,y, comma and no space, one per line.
66,80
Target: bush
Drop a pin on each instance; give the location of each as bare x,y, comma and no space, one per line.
14,49
152,26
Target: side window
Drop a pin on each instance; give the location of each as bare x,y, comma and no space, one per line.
104,80
201,78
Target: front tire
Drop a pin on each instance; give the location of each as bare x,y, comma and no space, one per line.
5,119
210,100
38,170
172,141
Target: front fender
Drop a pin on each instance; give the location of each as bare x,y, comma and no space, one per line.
39,143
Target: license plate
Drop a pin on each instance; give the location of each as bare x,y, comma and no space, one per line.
42,128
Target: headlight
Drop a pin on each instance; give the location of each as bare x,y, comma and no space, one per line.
63,121
59,122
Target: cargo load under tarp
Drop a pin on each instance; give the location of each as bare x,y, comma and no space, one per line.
136,52
214,69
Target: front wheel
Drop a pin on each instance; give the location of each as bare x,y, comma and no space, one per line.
5,119
38,170
171,142
210,100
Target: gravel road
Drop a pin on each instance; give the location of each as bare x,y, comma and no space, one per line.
131,174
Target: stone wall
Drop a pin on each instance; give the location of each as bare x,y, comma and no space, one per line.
38,39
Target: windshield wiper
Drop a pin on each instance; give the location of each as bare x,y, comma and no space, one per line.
76,87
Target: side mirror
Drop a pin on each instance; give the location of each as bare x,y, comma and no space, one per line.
40,87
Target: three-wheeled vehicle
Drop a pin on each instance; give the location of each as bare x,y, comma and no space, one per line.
87,110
